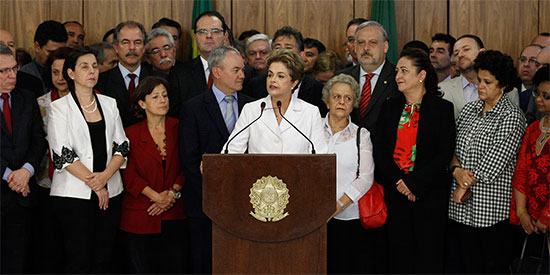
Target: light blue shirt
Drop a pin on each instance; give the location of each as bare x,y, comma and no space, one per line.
469,90
125,76
27,165
223,104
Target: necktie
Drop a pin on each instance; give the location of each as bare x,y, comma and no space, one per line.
210,81
229,114
132,85
7,111
365,95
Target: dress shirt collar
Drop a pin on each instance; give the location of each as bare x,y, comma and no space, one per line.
377,72
125,71
295,103
329,130
204,64
220,95
2,101
465,83
499,107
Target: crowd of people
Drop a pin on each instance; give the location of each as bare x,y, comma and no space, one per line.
102,145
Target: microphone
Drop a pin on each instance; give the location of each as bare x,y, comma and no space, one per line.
262,106
279,107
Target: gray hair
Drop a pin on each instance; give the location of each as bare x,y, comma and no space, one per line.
342,78
156,33
218,55
363,25
100,48
5,50
256,37
129,24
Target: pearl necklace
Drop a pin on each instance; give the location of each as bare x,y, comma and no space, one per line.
89,105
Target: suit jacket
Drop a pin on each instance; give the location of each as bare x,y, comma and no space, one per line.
32,70
69,140
111,83
453,92
27,144
435,144
186,81
31,83
267,137
145,169
202,130
385,88
311,91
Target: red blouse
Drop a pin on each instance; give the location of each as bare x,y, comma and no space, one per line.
404,153
532,177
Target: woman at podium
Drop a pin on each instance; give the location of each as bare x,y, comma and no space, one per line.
280,123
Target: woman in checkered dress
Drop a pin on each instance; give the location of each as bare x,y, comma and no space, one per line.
489,132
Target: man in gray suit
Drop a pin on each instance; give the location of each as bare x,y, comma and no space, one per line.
463,89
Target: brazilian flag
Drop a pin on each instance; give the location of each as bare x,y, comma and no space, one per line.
383,12
199,6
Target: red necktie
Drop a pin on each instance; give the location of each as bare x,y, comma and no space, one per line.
132,86
210,81
7,111
365,95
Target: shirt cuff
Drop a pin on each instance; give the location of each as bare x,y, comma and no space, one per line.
353,194
7,172
29,167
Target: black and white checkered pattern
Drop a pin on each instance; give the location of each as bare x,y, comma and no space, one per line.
487,145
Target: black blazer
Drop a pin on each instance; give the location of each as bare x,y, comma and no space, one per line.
385,88
30,82
202,130
28,143
311,91
435,144
111,83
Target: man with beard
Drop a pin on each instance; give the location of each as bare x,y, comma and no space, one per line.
440,55
462,90
121,81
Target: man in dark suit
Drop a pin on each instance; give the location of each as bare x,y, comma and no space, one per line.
121,81
205,124
22,147
374,73
309,90
191,80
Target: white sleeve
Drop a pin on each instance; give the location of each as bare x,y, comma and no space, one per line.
363,183
60,136
121,144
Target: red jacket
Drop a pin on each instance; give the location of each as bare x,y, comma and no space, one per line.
144,168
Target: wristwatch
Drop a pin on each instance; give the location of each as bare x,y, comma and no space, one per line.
175,194
452,170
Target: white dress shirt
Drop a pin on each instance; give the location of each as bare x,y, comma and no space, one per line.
125,72
344,145
206,70
373,80
268,137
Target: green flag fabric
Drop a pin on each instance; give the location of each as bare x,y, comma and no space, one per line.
199,6
383,12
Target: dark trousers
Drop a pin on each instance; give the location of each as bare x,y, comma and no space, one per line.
347,247
163,253
485,250
88,233
46,238
200,234
16,227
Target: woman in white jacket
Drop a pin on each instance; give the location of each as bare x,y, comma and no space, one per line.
271,133
88,147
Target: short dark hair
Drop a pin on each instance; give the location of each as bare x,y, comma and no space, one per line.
50,31
290,32
72,22
247,34
144,88
109,32
60,53
500,65
356,21
70,63
417,44
542,75
314,43
22,56
544,34
421,60
292,61
447,38
100,48
210,13
474,37
129,24
169,23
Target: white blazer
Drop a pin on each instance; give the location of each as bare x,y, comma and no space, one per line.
267,137
69,140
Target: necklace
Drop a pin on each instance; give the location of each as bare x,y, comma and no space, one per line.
542,128
543,137
93,110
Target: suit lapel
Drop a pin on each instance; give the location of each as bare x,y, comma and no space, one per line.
147,144
213,110
381,85
16,115
198,73
121,92
269,119
171,142
458,93
293,114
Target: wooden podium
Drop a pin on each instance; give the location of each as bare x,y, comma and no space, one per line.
243,244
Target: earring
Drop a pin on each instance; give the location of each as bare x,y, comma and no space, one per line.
420,80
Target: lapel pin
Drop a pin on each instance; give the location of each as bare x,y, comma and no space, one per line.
385,82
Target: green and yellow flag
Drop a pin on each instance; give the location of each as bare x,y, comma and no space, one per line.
383,12
199,6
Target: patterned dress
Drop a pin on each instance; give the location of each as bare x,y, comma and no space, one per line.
404,153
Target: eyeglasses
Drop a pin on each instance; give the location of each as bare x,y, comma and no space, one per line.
532,60
536,93
156,51
212,31
350,39
8,70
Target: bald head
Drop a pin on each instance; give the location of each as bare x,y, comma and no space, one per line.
542,39
7,39
543,57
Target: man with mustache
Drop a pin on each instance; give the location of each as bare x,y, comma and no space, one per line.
160,50
121,81
462,90
374,73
